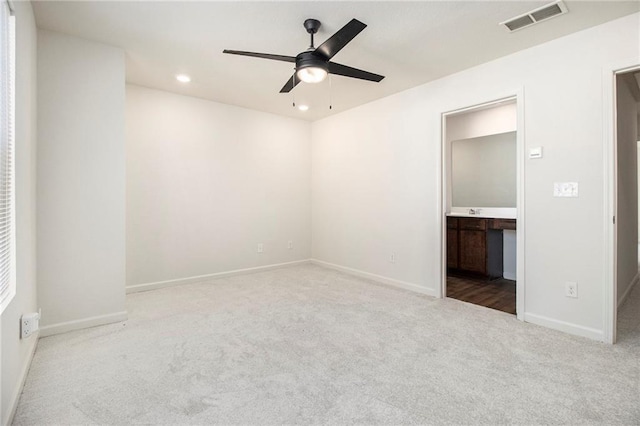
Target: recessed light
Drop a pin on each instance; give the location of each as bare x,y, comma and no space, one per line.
183,78
303,107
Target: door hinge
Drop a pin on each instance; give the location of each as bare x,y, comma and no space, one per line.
614,220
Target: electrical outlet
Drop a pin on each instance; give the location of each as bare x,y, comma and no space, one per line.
29,324
392,258
260,248
571,289
290,245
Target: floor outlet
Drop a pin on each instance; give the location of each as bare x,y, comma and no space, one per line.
260,248
571,289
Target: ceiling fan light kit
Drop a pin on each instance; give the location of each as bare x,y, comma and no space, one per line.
310,68
314,64
183,78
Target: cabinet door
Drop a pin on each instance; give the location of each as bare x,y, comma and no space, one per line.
452,248
473,251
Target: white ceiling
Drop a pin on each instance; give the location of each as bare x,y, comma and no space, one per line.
410,43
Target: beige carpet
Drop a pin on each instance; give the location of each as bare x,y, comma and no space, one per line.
311,345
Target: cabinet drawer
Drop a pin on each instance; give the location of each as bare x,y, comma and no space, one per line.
452,222
472,223
503,224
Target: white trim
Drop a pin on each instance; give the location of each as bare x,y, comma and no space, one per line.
64,327
520,220
566,327
15,398
442,205
443,201
378,278
634,281
199,278
610,188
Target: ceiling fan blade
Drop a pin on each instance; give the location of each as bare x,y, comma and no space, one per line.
289,85
336,42
262,55
346,71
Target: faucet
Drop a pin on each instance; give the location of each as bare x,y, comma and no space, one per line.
475,211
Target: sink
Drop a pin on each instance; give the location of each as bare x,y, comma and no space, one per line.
484,212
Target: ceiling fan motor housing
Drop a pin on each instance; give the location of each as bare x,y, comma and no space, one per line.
311,59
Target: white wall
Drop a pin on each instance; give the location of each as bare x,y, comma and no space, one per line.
499,118
207,182
509,254
81,182
376,185
627,215
16,353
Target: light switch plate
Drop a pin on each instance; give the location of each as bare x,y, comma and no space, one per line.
565,189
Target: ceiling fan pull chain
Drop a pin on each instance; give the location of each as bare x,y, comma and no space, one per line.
293,94
330,93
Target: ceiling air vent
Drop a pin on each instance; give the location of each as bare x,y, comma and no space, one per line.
537,15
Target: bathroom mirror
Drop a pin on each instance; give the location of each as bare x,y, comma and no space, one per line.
483,171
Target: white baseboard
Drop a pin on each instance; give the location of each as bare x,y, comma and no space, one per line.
634,281
190,280
64,327
15,398
378,278
565,327
509,276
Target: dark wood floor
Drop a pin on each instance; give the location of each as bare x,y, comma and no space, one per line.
497,294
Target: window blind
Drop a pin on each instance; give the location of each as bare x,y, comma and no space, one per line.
7,156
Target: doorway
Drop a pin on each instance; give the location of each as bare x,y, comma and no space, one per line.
626,136
482,205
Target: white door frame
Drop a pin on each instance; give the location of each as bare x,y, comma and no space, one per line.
518,96
610,136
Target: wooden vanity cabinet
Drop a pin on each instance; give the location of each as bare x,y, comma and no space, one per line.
473,251
474,245
452,242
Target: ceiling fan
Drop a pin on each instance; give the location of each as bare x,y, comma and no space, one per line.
313,65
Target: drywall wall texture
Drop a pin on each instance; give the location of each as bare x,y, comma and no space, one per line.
16,353
492,120
81,182
627,215
207,183
376,174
